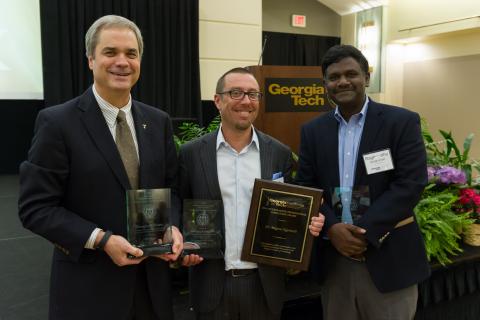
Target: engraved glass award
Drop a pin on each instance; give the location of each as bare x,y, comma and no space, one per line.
202,231
148,218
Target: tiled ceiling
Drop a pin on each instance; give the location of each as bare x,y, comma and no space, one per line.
343,7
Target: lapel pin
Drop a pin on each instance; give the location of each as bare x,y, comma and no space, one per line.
144,126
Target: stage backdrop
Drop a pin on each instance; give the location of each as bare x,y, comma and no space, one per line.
169,78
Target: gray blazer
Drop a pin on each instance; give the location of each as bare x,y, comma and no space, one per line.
198,179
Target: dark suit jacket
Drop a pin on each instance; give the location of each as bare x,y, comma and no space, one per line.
74,181
199,180
395,258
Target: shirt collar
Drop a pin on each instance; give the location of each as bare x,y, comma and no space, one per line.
221,139
110,111
362,113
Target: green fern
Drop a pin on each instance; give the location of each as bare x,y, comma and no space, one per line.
440,225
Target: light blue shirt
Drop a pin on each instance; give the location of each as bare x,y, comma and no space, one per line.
349,136
236,176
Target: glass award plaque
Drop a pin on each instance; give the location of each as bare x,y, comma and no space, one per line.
277,229
148,218
202,228
357,198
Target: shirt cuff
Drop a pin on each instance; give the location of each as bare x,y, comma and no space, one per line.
91,240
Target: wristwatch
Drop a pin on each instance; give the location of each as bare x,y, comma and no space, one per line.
104,240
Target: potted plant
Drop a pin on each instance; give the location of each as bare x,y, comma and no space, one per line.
444,212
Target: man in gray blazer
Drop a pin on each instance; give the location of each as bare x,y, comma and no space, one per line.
222,166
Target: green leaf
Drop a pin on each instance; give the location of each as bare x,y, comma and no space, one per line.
467,143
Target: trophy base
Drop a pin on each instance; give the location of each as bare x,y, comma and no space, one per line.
153,250
156,249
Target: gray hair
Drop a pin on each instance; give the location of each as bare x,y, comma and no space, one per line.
105,22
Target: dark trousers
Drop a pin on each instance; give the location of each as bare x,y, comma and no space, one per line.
142,303
242,299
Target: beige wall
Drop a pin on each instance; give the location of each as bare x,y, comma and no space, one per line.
347,34
414,18
432,70
321,20
446,92
231,32
230,36
441,82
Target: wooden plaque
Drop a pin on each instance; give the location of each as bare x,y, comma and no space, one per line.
277,229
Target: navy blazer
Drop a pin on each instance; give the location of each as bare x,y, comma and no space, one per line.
395,258
199,180
73,182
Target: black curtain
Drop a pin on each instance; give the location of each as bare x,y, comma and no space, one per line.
288,49
170,76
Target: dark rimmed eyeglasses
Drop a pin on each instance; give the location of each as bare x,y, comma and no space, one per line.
239,94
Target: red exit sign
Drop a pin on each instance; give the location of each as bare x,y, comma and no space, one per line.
299,21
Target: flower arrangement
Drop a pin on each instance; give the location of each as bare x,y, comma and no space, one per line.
438,217
446,175
450,203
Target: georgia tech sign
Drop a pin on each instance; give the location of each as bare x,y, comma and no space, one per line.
295,95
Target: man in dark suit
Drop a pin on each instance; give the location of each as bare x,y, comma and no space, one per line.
372,261
223,165
84,156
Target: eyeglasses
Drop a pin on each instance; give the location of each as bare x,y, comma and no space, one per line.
239,94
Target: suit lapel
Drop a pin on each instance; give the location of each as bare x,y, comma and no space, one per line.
208,158
98,130
331,151
373,124
266,155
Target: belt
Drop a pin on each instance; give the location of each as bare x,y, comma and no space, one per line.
241,272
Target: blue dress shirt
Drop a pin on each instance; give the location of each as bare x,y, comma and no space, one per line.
349,136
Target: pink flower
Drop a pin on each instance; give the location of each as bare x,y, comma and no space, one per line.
476,199
469,193
469,200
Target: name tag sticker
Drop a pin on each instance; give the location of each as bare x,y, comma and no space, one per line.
378,161
277,177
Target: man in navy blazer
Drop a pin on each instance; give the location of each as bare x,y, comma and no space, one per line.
72,187
370,262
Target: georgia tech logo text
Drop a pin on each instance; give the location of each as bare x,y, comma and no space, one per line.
301,95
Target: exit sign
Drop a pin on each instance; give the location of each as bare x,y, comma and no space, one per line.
299,21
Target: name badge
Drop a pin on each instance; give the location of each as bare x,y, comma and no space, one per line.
277,177
378,161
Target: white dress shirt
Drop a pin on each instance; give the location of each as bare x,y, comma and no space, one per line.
236,175
110,113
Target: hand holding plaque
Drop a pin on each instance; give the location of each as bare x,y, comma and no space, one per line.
277,230
148,218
